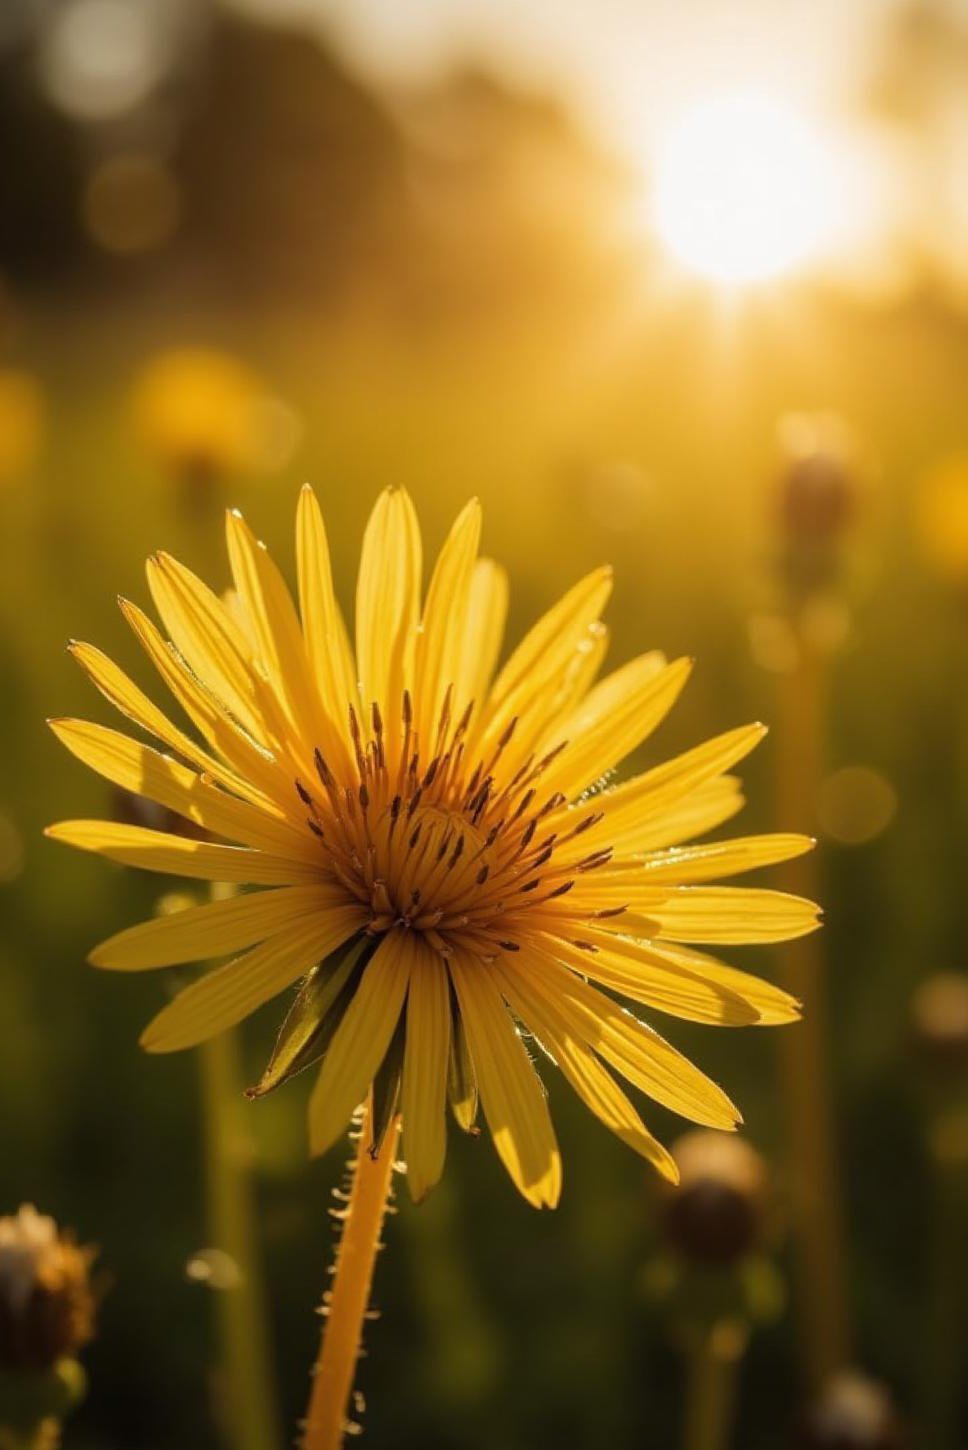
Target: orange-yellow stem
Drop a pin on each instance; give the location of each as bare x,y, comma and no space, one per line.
346,1307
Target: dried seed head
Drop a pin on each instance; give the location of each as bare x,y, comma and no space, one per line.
852,1412
939,1021
715,1213
46,1301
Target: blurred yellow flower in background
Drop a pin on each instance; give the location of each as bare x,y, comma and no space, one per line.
443,857
205,415
942,517
21,422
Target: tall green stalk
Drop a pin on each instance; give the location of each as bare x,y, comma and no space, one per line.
821,1297
248,1410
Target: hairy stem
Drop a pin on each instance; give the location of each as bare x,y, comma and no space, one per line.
345,1307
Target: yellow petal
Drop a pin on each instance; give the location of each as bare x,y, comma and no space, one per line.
525,691
638,1052
227,995
511,1092
582,1069
698,989
146,772
388,603
637,811
687,864
771,1004
178,856
576,680
556,632
655,982
327,642
125,696
252,772
213,929
444,623
707,808
483,631
734,914
205,634
275,627
615,717
425,1072
361,1040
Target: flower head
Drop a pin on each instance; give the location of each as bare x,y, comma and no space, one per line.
440,854
203,414
46,1302
715,1213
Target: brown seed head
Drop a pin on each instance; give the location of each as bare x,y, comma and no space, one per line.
851,1412
46,1301
714,1215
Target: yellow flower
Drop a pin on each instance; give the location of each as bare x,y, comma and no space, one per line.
21,422
441,859
942,518
204,414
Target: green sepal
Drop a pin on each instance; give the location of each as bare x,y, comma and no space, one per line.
461,1077
386,1087
314,1016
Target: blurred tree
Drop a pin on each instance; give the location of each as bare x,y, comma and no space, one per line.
291,169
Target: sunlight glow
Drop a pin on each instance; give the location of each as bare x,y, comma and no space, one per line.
745,189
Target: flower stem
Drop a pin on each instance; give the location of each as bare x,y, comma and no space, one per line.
817,1212
345,1307
248,1409
711,1385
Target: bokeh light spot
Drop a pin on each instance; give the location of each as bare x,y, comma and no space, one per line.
131,205
856,805
101,58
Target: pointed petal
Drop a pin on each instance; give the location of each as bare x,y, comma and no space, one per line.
656,808
483,631
251,771
208,638
582,1069
179,856
699,991
213,929
327,642
158,778
638,1052
556,632
771,1004
425,1072
511,1092
656,983
361,1041
444,622
388,603
614,718
526,689
705,810
687,864
734,914
228,994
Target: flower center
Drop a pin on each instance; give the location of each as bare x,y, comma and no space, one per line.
458,853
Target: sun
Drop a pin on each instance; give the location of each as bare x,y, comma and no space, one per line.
743,187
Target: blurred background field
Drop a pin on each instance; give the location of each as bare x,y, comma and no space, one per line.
443,250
